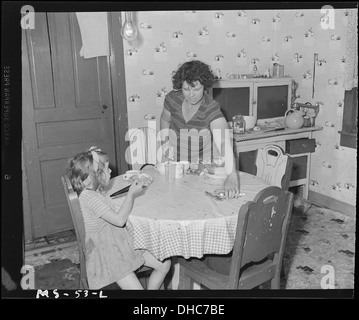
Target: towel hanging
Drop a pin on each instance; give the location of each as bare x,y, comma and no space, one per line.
94,34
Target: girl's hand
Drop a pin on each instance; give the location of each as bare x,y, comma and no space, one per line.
136,188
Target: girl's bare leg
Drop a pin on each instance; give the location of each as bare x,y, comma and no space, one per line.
130,282
160,270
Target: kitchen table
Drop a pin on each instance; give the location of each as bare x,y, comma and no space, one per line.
178,219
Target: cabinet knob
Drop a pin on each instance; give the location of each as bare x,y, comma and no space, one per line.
104,107
254,102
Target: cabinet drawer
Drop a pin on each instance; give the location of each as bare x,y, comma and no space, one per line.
300,146
299,169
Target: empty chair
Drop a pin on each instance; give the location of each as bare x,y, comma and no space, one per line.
274,166
77,219
258,248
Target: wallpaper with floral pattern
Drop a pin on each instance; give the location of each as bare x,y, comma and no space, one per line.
232,41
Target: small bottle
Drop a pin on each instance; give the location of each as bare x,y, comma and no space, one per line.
255,72
267,73
239,124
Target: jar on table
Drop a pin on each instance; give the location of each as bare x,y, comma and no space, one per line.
239,124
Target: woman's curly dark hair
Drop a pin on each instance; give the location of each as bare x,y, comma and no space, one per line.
191,72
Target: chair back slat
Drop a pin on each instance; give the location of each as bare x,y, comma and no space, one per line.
274,166
77,219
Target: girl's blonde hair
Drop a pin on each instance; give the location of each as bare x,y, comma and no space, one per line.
83,169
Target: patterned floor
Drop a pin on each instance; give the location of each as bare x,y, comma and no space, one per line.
320,241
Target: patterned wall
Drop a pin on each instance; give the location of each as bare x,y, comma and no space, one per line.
231,41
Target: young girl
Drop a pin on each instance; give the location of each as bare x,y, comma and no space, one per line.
110,255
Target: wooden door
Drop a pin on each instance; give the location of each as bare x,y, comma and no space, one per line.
67,108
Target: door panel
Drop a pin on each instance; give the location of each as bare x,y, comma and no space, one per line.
43,89
70,110
66,132
63,65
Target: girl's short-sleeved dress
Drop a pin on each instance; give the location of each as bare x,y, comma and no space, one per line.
110,254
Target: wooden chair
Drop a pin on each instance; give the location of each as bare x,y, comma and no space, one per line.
258,249
77,219
274,166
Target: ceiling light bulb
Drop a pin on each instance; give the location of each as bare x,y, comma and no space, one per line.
129,31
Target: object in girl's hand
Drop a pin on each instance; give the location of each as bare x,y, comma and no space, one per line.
142,177
121,191
130,173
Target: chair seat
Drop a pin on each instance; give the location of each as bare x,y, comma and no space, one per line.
222,264
250,278
199,270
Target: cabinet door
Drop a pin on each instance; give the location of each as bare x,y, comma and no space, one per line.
272,99
229,102
234,97
247,161
299,170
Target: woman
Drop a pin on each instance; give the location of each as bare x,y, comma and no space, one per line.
194,119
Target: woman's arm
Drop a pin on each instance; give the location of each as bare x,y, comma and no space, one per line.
223,141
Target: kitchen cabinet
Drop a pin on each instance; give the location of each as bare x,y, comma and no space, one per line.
298,143
265,98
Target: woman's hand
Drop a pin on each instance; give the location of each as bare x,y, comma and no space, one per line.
230,186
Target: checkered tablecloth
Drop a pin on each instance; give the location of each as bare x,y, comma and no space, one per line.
180,220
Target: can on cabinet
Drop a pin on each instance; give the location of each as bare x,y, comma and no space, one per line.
239,124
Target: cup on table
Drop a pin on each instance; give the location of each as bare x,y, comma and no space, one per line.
170,171
161,167
131,173
179,170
